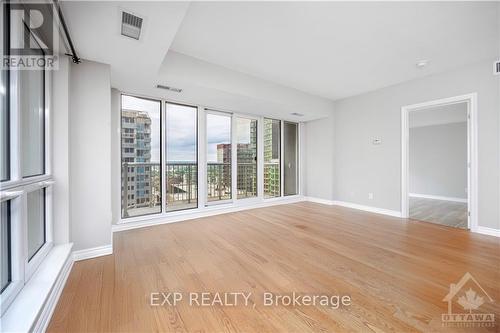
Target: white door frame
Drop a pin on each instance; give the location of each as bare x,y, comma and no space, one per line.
471,100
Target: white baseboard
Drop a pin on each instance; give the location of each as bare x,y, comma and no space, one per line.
370,209
92,252
46,314
436,197
205,212
320,201
487,231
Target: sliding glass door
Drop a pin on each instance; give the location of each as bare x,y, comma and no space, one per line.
140,156
290,147
246,157
182,157
218,157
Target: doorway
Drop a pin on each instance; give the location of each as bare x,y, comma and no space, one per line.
439,162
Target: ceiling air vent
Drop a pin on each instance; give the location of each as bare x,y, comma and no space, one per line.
160,86
297,114
131,25
496,69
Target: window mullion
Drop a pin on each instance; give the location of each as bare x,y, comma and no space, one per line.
202,157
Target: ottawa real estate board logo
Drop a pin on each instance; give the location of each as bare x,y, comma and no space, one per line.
29,36
468,296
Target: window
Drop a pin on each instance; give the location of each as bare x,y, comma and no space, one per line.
25,200
36,222
140,145
182,156
32,107
5,245
290,142
246,156
272,158
230,157
4,125
218,157
4,104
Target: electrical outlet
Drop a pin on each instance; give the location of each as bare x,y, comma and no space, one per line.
370,196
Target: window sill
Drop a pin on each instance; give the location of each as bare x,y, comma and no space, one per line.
33,306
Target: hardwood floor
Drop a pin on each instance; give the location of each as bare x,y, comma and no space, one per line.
396,274
449,213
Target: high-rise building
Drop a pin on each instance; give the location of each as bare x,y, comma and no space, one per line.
247,162
137,170
272,157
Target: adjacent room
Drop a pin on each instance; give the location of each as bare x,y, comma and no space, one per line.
237,166
438,165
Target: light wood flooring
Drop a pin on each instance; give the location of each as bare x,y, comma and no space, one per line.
397,273
449,213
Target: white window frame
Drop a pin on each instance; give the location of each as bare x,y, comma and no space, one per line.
203,204
16,189
297,159
206,112
281,157
200,200
260,157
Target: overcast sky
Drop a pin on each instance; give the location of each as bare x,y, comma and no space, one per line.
181,130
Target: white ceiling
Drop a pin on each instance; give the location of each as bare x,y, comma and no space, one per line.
338,49
281,57
95,29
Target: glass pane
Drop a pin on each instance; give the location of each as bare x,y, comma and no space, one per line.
32,105
246,132
140,146
36,221
218,157
290,137
182,157
272,158
4,112
4,126
6,273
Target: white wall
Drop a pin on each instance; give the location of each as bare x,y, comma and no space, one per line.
362,167
319,158
60,150
90,155
438,160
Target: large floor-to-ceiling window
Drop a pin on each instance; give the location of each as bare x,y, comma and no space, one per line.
160,166
25,168
272,158
140,156
246,157
219,155
182,156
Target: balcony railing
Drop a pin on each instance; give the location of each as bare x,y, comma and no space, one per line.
218,181
182,186
247,180
141,188
141,191
272,179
